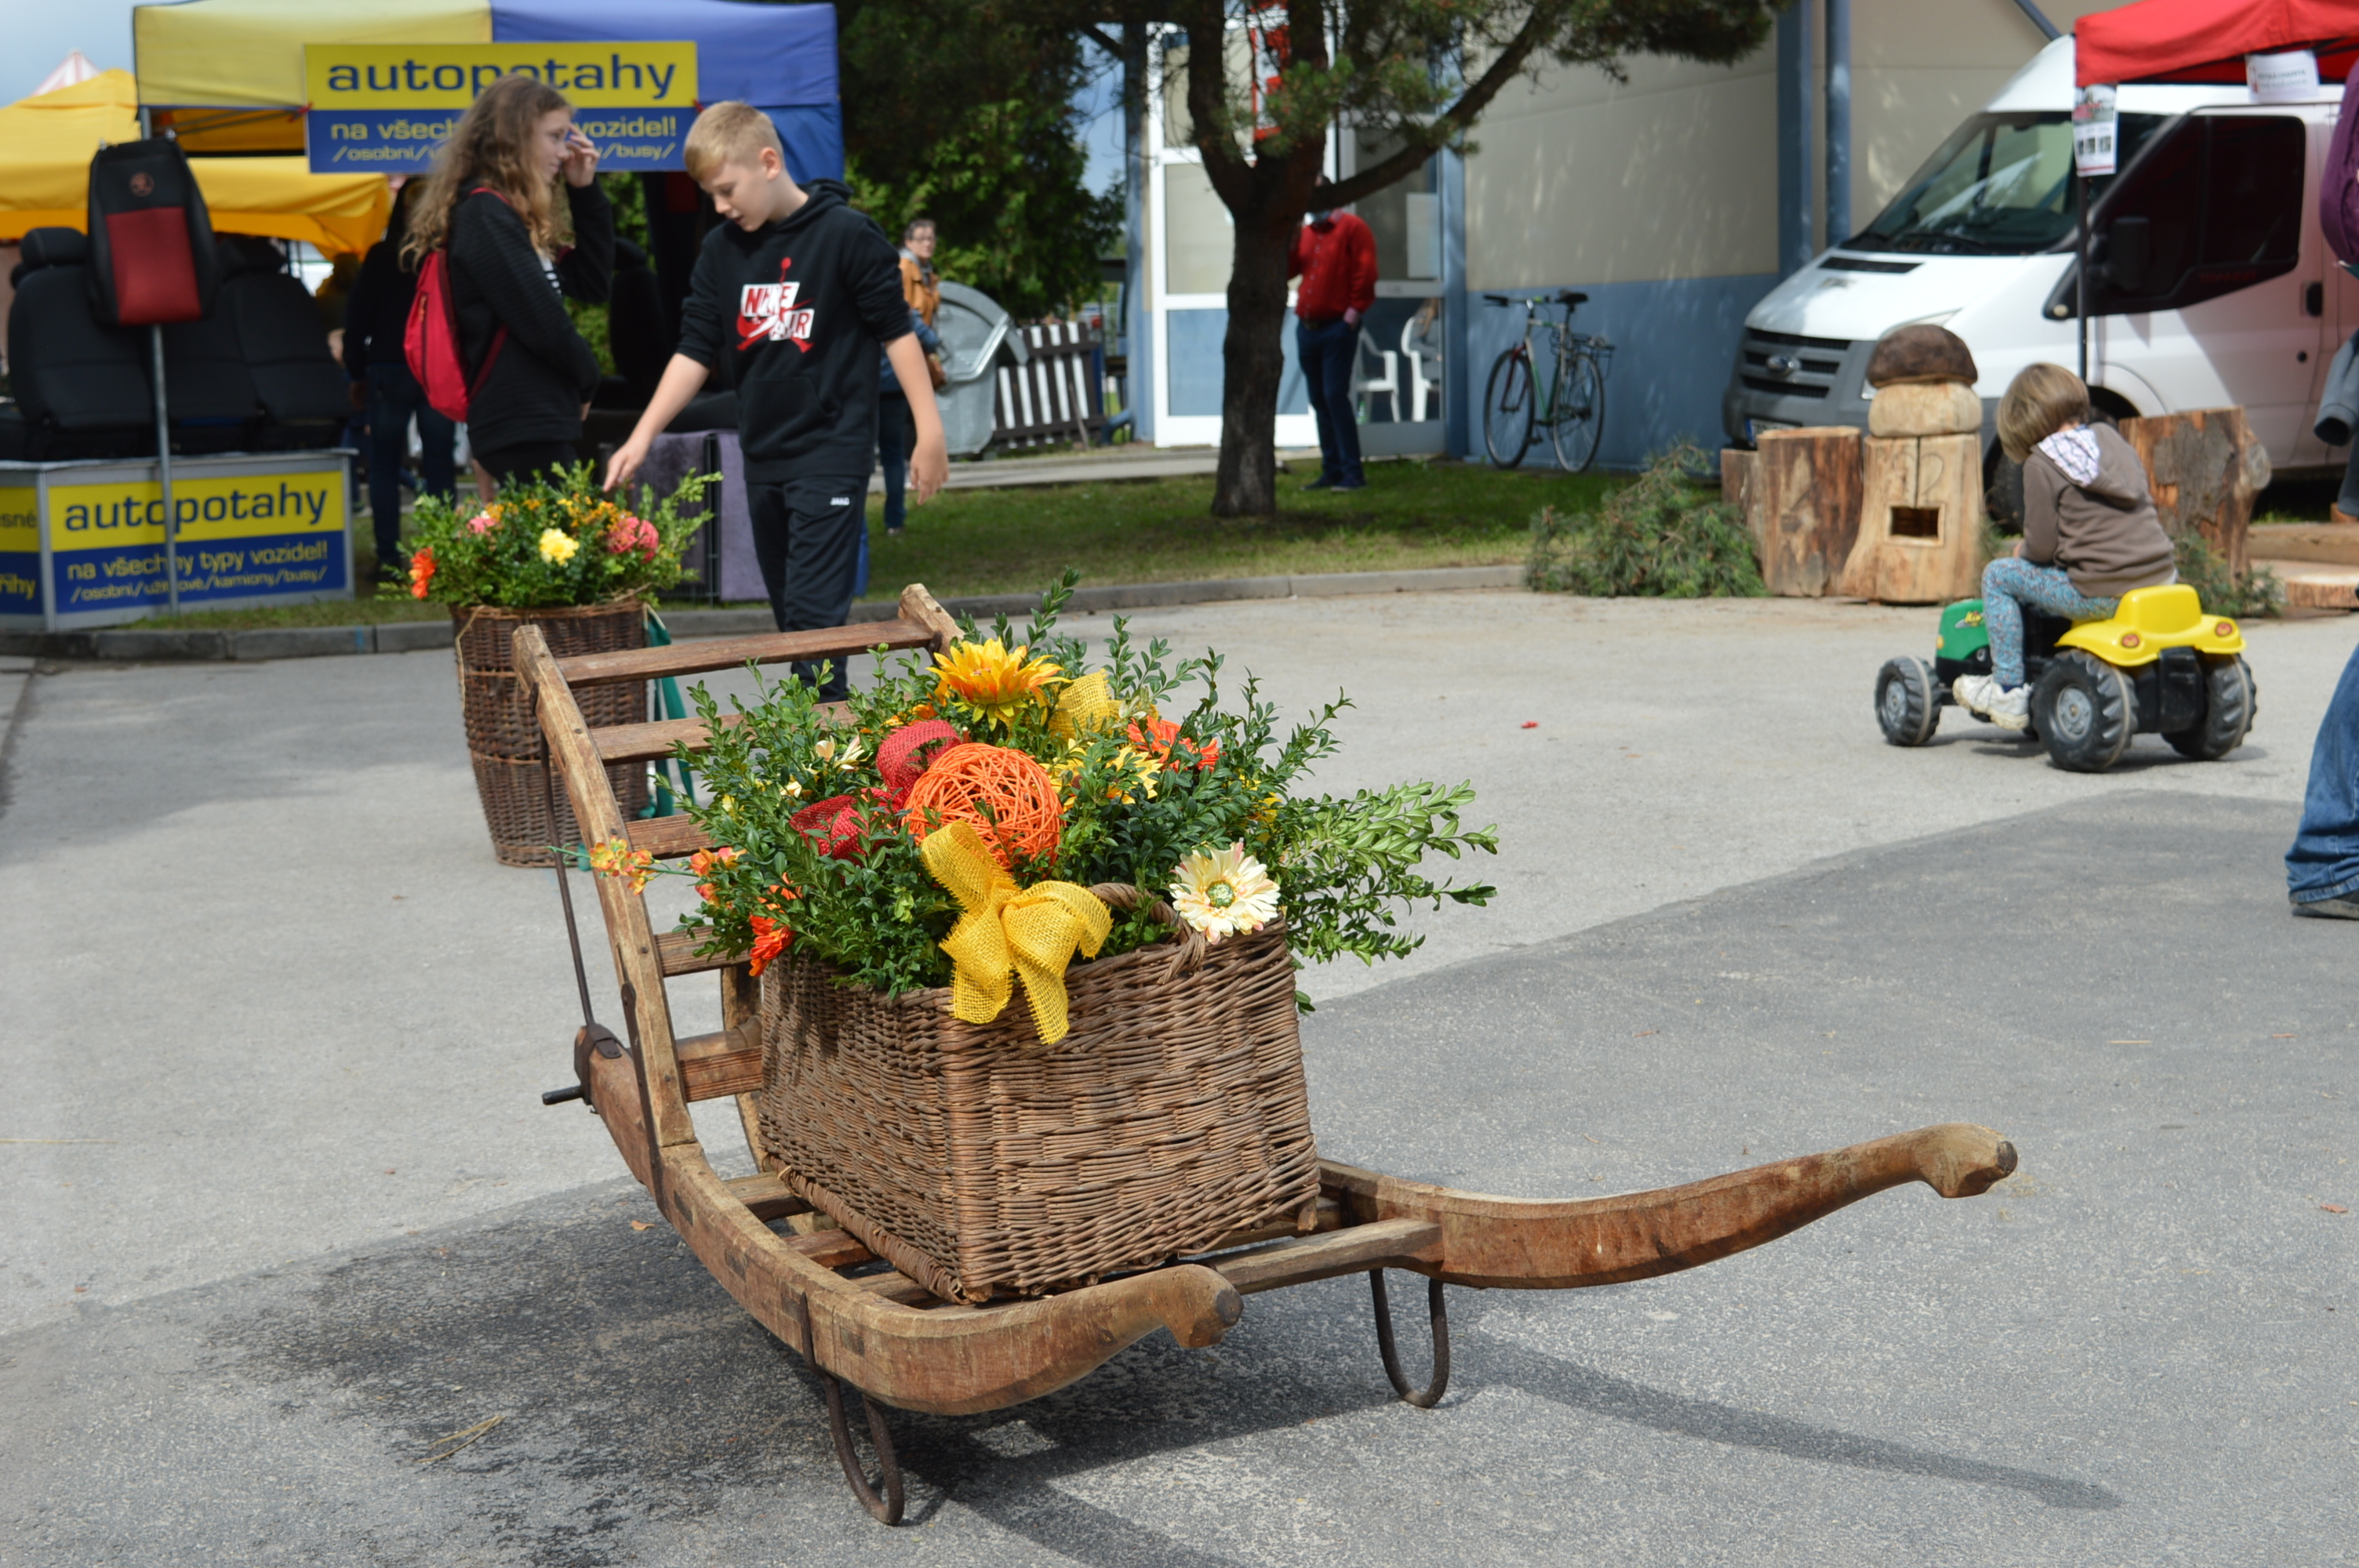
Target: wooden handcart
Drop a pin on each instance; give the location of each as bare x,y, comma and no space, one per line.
856,1320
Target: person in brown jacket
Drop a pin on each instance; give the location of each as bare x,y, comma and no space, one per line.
2090,533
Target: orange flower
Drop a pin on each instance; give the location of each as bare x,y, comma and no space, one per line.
704,862
771,937
421,571
615,858
1161,739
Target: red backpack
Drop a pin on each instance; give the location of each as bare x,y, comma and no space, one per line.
432,343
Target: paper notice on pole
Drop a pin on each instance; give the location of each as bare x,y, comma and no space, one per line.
2287,78
2093,126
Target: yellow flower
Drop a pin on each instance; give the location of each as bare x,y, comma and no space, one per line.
557,547
987,676
1223,892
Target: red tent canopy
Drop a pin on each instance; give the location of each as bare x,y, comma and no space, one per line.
2207,40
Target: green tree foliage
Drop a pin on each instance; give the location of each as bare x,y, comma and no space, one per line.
1663,537
960,111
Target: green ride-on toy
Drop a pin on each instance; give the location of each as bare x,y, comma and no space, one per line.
2160,665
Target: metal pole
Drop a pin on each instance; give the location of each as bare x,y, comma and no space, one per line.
164,473
1794,204
1838,121
2080,270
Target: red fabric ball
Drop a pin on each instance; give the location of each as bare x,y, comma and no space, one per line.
908,750
1011,799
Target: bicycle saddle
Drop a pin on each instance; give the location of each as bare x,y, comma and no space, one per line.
1570,298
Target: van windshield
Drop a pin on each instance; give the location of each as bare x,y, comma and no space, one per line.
2001,185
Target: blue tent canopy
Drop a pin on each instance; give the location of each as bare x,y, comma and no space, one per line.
781,58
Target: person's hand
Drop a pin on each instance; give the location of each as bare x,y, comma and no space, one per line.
580,166
2018,551
625,462
930,466
1351,317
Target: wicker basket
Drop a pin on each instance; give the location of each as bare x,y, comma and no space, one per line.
979,1161
504,738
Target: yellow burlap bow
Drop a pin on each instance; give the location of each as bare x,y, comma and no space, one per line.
1009,932
1085,706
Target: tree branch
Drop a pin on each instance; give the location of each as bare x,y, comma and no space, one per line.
1453,121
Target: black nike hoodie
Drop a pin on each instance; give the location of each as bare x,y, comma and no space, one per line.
793,313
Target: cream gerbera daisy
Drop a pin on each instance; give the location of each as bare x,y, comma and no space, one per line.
1223,893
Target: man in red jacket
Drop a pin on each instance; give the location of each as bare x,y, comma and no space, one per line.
1336,258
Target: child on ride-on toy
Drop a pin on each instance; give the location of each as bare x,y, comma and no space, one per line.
2090,533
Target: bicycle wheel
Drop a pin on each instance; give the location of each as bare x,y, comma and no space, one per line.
1580,415
1508,408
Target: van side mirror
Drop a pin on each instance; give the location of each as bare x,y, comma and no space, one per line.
2129,249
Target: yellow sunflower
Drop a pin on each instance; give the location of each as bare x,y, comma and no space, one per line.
990,678
1223,893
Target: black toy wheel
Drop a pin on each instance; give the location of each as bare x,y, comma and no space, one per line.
1906,704
2231,699
2085,711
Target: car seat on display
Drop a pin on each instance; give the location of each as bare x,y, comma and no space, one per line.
301,388
81,386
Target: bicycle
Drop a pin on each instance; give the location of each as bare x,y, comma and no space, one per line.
1573,407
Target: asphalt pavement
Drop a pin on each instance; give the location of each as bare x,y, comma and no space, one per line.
302,1217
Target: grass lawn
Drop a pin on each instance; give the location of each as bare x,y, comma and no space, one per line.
1413,514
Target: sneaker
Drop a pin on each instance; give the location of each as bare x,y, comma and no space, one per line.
1322,483
2343,908
1351,484
2009,708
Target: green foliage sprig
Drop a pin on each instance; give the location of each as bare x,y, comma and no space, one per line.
551,542
1662,538
2255,591
1140,793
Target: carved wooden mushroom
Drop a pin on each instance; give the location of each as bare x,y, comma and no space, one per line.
1920,538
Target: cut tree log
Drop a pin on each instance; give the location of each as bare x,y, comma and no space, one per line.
2204,466
1805,488
1736,467
1920,521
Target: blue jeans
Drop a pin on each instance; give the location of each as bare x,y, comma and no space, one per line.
897,437
394,395
2011,582
2324,859
1327,351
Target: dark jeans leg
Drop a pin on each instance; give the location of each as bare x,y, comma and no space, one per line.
388,425
807,540
2324,859
896,437
1326,350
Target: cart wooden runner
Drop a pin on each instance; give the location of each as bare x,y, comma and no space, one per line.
853,1318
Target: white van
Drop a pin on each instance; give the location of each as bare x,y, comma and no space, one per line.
2212,285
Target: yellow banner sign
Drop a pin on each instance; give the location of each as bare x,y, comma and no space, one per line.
635,75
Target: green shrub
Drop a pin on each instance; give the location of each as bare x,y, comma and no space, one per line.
1664,537
2223,592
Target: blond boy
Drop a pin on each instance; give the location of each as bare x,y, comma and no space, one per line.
797,292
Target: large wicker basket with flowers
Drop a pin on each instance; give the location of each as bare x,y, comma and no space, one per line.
576,563
1028,947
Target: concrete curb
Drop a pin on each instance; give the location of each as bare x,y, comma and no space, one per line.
414,636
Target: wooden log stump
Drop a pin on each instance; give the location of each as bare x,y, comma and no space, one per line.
1736,466
1805,487
2204,466
1920,521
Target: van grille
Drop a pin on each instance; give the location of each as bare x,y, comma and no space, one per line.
1784,364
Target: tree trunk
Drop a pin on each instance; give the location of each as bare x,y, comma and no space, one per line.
1253,362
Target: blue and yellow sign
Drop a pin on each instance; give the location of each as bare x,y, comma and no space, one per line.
242,537
385,108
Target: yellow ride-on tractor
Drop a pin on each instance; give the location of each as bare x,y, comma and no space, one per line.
2160,665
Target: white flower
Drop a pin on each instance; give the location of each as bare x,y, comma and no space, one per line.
1223,893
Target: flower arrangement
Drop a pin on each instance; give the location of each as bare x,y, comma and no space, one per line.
946,826
546,543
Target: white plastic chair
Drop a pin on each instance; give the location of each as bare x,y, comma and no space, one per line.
1365,386
1423,382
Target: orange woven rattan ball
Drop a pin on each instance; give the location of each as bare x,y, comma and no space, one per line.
961,783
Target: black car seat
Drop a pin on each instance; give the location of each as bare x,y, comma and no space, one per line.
82,388
300,386
207,383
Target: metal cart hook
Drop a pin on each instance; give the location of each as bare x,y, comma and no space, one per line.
886,1508
1424,1398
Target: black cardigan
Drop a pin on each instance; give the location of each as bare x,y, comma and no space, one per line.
535,391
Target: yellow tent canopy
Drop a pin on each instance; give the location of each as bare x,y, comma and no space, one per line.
46,144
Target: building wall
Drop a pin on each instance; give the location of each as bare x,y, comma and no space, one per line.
1658,195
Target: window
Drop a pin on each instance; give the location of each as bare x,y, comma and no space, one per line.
2002,184
2221,196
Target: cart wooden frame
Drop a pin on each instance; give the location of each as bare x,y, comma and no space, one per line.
856,1321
